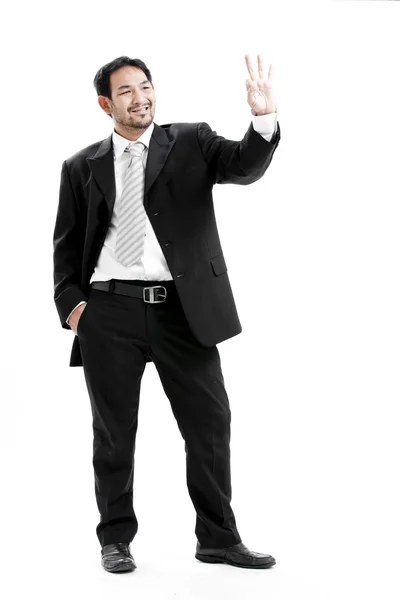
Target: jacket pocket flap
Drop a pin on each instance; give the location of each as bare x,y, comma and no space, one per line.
218,264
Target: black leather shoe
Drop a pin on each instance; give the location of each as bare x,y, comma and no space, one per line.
237,555
117,558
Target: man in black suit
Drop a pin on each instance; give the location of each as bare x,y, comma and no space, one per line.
139,276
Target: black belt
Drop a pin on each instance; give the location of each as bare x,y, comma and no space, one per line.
151,294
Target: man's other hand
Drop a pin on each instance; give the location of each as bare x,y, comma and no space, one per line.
75,316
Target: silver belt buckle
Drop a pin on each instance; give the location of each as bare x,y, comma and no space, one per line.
151,289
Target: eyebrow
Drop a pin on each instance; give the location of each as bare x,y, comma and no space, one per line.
128,86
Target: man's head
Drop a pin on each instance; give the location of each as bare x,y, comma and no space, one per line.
123,85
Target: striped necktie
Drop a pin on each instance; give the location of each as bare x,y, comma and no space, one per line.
132,215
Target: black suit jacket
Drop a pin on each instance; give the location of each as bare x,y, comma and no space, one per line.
184,161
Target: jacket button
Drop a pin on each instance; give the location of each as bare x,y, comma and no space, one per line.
156,213
180,274
167,244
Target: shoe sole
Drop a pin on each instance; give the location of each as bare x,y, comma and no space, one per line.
123,568
215,559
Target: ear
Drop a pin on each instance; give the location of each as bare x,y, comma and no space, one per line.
104,104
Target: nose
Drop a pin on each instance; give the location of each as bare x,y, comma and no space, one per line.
139,99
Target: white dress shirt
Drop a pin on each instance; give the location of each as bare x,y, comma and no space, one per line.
152,265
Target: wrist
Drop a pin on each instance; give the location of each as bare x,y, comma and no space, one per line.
264,113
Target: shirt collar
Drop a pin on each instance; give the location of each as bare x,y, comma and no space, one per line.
120,143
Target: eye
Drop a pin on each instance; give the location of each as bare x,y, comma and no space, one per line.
146,87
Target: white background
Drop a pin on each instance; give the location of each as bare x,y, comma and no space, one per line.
313,256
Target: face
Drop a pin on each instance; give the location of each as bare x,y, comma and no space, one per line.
130,90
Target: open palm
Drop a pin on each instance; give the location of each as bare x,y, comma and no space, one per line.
260,95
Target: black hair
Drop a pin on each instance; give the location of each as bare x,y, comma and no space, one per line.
101,81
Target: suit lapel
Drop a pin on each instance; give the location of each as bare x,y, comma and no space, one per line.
102,165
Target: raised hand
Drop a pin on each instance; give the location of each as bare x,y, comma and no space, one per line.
260,95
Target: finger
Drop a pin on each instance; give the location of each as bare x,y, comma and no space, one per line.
249,67
249,84
260,66
270,73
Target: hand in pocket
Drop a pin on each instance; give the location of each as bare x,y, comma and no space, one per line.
75,316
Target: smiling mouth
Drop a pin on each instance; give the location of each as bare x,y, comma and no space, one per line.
143,109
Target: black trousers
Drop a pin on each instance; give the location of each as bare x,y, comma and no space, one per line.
118,335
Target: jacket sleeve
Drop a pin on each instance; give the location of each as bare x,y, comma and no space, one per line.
68,248
240,162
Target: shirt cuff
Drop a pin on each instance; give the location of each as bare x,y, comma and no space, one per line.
265,125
